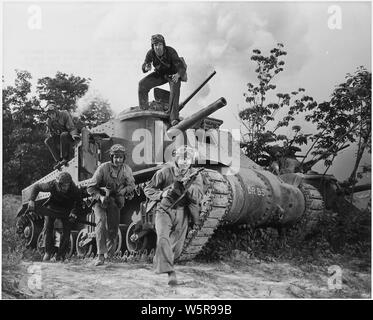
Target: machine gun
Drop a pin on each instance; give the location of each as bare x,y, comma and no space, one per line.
108,191
188,182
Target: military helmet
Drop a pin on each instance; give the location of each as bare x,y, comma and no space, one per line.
117,149
157,38
186,152
64,177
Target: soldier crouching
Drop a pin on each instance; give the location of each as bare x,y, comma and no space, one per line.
66,199
109,185
171,224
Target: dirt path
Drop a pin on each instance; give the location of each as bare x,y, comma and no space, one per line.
79,279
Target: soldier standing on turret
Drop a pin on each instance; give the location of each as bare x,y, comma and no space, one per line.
171,225
116,178
168,67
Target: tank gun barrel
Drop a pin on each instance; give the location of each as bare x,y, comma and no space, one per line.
182,105
193,119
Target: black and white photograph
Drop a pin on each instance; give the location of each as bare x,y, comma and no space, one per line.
199,151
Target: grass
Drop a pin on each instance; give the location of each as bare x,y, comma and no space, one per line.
13,247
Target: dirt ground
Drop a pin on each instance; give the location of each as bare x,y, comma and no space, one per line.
239,276
243,278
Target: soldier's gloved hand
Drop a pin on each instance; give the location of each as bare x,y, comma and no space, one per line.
31,215
31,205
165,193
104,201
175,77
176,190
73,217
147,67
75,137
119,201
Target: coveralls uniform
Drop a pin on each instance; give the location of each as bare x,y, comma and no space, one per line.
164,67
66,203
171,225
60,131
107,218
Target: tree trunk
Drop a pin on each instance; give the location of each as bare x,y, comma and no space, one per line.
352,179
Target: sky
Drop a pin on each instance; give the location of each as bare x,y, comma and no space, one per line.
107,42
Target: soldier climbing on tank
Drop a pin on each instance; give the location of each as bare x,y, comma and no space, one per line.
111,182
168,67
284,160
66,199
289,163
171,221
61,133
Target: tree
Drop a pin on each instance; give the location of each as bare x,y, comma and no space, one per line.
25,156
23,136
63,90
260,114
96,112
346,118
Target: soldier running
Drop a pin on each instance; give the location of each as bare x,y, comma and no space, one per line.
66,199
172,224
109,185
168,67
61,133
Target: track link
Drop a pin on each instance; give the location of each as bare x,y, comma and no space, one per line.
214,206
314,209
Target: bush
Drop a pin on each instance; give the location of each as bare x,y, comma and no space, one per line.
12,244
338,235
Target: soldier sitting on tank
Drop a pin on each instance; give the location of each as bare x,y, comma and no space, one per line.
289,163
66,199
61,133
168,67
171,225
108,186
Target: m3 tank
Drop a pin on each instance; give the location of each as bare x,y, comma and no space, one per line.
236,190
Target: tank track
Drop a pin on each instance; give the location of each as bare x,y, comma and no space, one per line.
314,209
215,205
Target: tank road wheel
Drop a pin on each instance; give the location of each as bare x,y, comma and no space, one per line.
135,245
314,209
84,247
32,231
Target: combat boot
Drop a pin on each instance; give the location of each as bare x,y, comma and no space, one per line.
57,258
46,257
57,166
64,162
172,281
100,260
